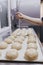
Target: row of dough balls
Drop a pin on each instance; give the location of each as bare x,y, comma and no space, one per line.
31,51
15,40
10,39
15,45
31,54
10,54
15,37
22,32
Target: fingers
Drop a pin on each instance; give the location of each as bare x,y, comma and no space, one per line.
19,15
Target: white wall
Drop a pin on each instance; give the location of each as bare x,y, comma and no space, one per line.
13,4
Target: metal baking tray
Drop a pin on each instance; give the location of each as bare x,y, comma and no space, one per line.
20,58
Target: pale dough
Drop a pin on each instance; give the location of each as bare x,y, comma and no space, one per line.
3,45
32,45
16,45
8,40
32,35
12,54
24,32
14,35
31,54
21,37
16,32
18,40
31,39
12,38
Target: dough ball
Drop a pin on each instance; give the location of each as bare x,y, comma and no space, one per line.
31,40
3,45
8,40
16,45
21,37
13,34
32,35
32,45
30,31
31,54
16,32
24,29
18,40
12,38
12,54
23,32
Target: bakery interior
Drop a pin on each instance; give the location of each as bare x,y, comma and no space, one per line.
9,24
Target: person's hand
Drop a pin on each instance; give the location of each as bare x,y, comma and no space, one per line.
19,15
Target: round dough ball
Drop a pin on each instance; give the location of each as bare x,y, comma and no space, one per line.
16,45
31,54
16,32
12,38
18,40
13,34
32,36
3,45
23,32
12,54
30,31
32,45
8,40
31,40
21,37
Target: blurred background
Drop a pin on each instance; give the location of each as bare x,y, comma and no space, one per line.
28,7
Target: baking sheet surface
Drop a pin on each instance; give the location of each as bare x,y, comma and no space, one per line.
22,51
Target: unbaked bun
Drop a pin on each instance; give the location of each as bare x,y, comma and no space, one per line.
12,54
12,38
32,35
8,40
32,45
13,34
30,31
3,45
16,32
18,40
31,39
24,32
16,45
31,54
21,37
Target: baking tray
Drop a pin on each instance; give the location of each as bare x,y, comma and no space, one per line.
20,58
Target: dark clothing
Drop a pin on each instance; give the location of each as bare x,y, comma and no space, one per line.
39,31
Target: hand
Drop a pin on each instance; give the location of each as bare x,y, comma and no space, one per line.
19,15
